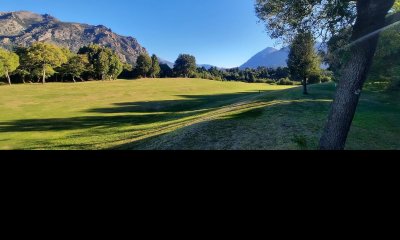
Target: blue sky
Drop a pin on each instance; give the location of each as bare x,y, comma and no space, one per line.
224,33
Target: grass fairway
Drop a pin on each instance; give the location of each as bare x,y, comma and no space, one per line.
184,114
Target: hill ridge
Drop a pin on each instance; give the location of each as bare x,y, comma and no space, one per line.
22,28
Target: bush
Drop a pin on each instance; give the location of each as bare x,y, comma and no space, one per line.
285,81
268,81
315,79
325,79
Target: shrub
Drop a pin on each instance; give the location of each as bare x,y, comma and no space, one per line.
268,81
325,79
285,81
314,79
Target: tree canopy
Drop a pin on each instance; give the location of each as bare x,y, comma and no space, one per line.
303,61
44,57
185,65
143,64
104,61
9,62
364,20
155,67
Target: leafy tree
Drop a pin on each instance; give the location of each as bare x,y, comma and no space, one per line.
185,65
303,61
155,67
386,66
116,67
9,62
104,62
324,18
44,57
165,71
396,6
25,68
143,64
75,66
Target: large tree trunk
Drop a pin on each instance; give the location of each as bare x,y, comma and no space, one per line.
8,78
305,91
370,19
44,76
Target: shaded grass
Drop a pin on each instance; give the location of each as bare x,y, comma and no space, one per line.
184,114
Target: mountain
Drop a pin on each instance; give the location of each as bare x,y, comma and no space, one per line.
207,66
24,28
272,57
171,64
269,57
163,61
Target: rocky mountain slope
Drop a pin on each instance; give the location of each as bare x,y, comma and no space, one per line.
269,57
273,58
24,28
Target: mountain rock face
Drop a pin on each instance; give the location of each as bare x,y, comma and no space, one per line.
24,28
269,57
273,58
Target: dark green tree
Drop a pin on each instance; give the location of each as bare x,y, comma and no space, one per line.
76,65
103,61
25,68
185,65
325,18
303,61
166,71
143,65
155,67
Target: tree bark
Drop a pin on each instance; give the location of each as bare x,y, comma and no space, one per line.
8,78
370,19
305,91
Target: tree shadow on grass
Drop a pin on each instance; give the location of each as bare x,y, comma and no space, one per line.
187,103
263,127
130,114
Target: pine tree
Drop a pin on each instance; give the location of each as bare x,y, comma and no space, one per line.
155,67
143,64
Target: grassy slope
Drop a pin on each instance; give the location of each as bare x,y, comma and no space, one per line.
183,114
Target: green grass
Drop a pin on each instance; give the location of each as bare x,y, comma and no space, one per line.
184,114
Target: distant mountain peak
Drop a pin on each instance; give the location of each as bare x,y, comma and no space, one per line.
271,58
22,28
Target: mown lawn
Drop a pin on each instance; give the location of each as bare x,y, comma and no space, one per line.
184,114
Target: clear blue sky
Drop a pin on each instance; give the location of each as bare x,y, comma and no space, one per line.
224,33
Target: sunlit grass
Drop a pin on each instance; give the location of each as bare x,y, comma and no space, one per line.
183,114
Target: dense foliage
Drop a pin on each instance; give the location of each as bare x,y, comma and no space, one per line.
303,61
185,65
9,62
95,62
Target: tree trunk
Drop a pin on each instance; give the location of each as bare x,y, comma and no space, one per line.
73,79
370,19
8,78
305,91
44,76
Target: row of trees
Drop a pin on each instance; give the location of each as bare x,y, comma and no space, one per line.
42,61
185,66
